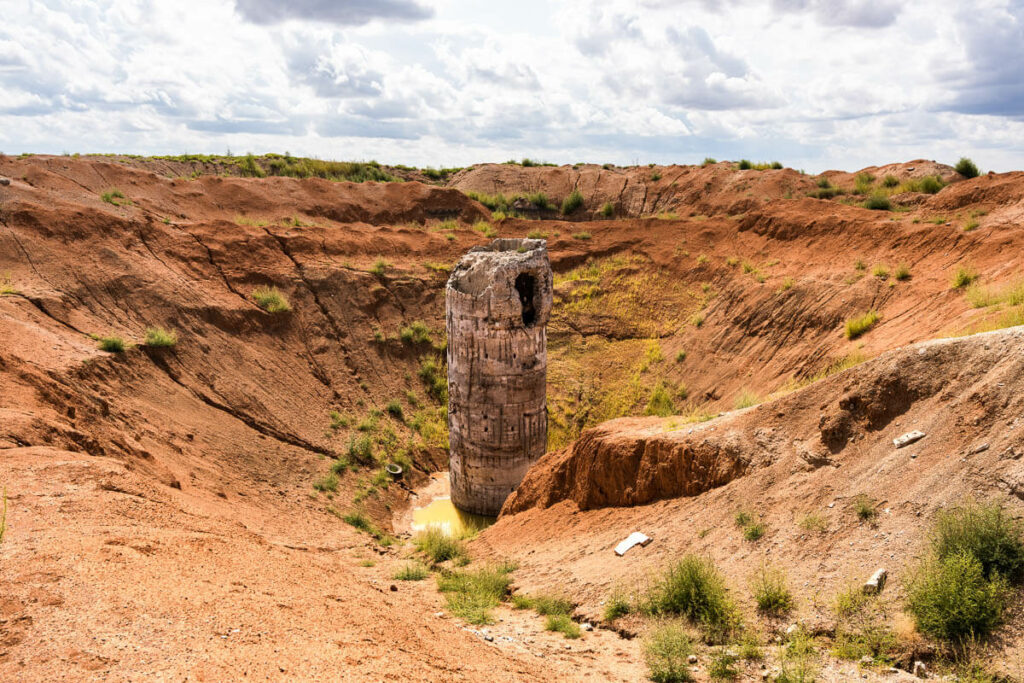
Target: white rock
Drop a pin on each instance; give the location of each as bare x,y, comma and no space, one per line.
876,582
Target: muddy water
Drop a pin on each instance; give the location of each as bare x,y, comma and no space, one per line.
432,506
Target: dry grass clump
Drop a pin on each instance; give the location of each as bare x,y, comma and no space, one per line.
271,300
159,337
861,324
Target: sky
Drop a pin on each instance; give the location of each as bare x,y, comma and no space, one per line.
815,84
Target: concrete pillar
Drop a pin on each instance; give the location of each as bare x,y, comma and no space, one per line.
498,302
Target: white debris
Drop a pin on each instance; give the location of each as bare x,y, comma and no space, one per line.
908,438
635,538
920,670
876,582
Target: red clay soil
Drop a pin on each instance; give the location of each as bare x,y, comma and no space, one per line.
161,498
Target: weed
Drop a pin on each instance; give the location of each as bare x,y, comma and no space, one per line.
787,284
697,319
742,518
541,201
850,601
732,261
902,272
855,327
536,234
616,606
890,181
581,235
655,177
367,563
970,225
813,522
437,267
746,399
863,183
666,652
379,267
608,210
439,546
413,571
702,259
112,197
768,586
563,624
755,531
964,276
485,229
680,356
966,168
723,666
860,265
660,402
159,337
394,409
931,184
112,344
271,300
865,509
744,165
880,271
5,285
709,161
328,482
471,595
435,375
572,202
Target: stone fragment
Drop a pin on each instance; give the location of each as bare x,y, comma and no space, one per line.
692,659
635,538
920,670
5,182
908,438
875,584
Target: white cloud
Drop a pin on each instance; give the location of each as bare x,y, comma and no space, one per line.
444,82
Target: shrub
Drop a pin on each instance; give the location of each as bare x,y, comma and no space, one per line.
708,161
902,272
878,202
540,200
485,229
881,271
768,586
813,522
608,210
693,588
855,327
416,333
112,344
159,337
413,571
666,652
777,165
745,165
742,518
987,532
697,319
680,356
379,266
439,546
950,598
563,624
787,284
471,595
655,177
435,375
966,168
970,225
536,234
890,181
864,508
572,202
964,276
581,235
863,183
394,409
271,300
850,600
360,449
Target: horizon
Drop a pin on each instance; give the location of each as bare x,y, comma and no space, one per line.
444,83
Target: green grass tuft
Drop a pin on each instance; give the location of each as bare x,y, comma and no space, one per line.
666,652
964,276
572,202
855,327
413,571
439,546
161,338
112,344
472,594
692,587
768,586
966,168
271,300
563,624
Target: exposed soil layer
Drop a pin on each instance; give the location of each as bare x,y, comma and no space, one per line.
160,498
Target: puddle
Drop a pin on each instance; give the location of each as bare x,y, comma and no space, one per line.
432,506
442,513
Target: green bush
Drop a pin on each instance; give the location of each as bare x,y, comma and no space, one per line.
112,344
572,202
931,184
855,327
380,266
964,276
540,200
159,337
581,236
902,272
666,652
768,586
328,482
709,161
864,508
271,300
878,202
755,531
413,571
563,624
723,667
438,545
608,210
745,165
415,333
680,356
863,183
435,376
394,409
616,606
112,197
951,599
966,168
660,402
693,588
985,531
890,181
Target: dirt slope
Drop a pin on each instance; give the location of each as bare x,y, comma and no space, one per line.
213,446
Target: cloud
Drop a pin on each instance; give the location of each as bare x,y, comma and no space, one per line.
851,13
342,12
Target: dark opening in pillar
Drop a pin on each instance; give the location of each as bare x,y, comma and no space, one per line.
525,286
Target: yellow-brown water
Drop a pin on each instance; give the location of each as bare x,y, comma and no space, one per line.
440,512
